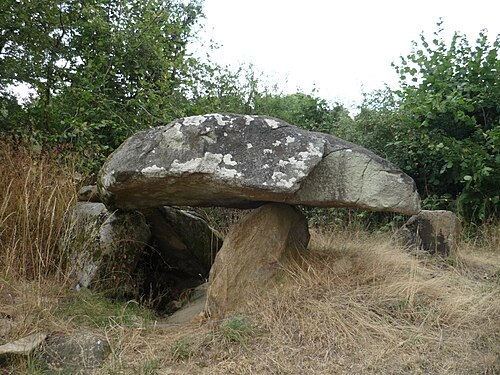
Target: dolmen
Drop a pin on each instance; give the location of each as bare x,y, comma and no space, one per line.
243,161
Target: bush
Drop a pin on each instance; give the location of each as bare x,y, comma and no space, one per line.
442,125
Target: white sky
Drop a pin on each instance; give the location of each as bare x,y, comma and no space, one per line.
342,47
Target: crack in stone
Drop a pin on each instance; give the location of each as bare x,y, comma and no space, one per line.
363,180
340,149
279,127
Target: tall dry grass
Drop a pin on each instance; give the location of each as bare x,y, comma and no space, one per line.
354,304
357,304
36,190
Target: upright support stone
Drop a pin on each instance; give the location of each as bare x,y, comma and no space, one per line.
253,253
431,231
104,247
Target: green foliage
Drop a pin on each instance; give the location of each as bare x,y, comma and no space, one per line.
237,329
101,69
243,91
150,367
304,110
442,126
181,350
222,89
94,310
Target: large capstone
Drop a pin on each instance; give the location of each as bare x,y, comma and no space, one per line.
243,161
434,232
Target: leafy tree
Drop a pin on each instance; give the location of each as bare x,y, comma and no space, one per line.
442,125
244,91
101,69
222,89
304,110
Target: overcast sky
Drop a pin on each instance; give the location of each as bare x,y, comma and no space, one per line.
341,47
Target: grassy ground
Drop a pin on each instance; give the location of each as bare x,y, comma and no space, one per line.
354,305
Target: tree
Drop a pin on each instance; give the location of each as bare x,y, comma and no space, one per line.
442,125
102,69
244,91
304,110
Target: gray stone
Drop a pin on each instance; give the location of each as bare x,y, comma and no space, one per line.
185,235
153,254
430,231
89,193
104,246
183,248
23,345
254,252
80,353
244,161
192,307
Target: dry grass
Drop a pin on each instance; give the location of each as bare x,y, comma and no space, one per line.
354,305
35,193
357,305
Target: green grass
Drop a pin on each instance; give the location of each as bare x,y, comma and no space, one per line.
92,309
237,329
182,350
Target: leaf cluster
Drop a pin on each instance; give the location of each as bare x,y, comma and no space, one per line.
100,70
442,124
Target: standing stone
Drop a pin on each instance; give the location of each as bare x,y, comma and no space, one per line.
431,231
104,246
253,253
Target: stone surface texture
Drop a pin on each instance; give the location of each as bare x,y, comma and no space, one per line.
24,345
192,308
243,161
184,235
157,253
431,231
88,193
105,246
183,250
80,353
253,254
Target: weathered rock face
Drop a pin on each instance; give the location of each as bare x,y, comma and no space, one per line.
154,254
244,161
88,193
184,235
192,307
81,353
24,345
431,231
253,253
105,247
